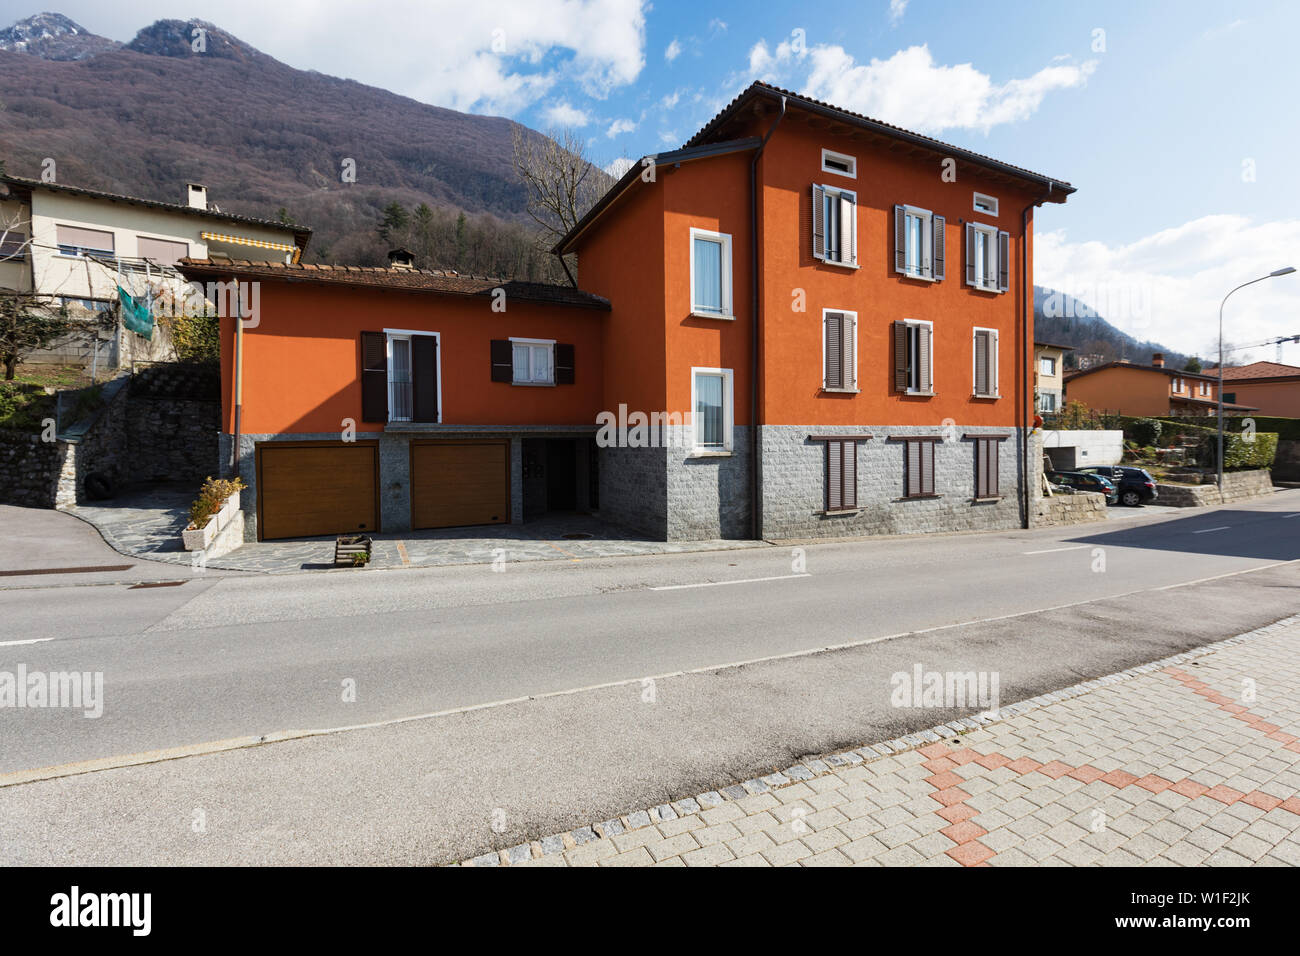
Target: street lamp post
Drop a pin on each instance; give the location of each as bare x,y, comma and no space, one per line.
1272,275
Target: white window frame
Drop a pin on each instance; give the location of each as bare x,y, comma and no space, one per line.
724,240
993,361
407,334
911,389
838,193
850,161
532,343
1177,384
854,316
992,233
991,202
1205,389
925,268
728,413
1046,358
1043,401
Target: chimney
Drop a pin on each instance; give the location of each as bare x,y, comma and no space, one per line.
196,196
1158,359
402,260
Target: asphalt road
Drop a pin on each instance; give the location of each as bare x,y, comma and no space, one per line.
218,658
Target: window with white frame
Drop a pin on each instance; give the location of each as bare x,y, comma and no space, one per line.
986,204
1047,402
985,362
918,243
401,404
914,357
1177,384
712,412
839,350
839,163
1205,389
835,225
987,254
533,360
1046,365
710,273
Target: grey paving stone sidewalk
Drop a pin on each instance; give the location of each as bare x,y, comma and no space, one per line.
147,522
1189,761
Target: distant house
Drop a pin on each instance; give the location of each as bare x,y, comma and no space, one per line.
1049,377
1273,387
73,246
1148,390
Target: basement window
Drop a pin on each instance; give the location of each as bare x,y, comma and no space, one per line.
986,204
840,164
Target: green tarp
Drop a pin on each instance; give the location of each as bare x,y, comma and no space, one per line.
135,314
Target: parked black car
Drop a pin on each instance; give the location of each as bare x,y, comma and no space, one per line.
1086,482
1136,486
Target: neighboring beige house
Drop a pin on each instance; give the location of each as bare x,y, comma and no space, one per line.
75,245
1049,377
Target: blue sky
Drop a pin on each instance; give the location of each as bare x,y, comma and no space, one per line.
1176,122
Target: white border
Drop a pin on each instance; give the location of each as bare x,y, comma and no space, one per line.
728,410
728,312
388,357
995,378
852,390
852,162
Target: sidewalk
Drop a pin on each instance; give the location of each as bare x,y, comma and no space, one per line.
1189,761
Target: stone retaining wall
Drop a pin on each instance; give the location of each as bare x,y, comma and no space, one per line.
29,468
1237,486
1064,509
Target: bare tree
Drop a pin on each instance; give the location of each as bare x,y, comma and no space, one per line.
561,180
28,321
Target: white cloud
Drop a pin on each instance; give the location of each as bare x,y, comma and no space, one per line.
671,100
565,116
498,57
717,26
1167,287
896,9
669,138
620,126
910,89
673,51
618,167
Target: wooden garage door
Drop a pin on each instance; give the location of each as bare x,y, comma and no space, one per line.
460,483
310,489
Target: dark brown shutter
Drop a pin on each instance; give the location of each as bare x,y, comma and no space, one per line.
1004,261
834,476
981,363
970,254
900,356
927,467
374,377
503,363
424,378
923,378
986,481
563,364
913,468
833,371
900,239
819,222
937,256
850,327
850,482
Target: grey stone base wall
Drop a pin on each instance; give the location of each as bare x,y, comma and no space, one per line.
1237,486
1066,509
172,439
794,483
634,489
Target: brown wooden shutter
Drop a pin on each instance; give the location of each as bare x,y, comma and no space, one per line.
850,326
937,255
850,457
986,477
819,222
563,364
900,356
981,363
424,378
923,377
913,469
1004,261
833,371
927,467
834,476
970,254
900,239
374,377
503,363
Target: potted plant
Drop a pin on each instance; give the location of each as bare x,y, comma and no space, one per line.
351,550
211,511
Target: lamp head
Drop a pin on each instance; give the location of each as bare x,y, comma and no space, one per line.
1282,272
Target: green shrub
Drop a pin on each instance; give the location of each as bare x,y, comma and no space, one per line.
1145,431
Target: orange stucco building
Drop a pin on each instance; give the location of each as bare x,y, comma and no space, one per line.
1154,391
1273,388
804,322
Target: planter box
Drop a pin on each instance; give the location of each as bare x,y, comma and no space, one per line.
351,550
198,539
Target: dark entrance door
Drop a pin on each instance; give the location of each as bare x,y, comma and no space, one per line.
561,475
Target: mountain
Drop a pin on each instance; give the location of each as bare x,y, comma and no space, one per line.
1062,319
267,140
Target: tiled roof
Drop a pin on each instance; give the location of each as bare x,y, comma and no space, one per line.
759,88
1162,369
1260,370
379,277
22,182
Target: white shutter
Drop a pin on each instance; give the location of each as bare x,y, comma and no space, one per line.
848,230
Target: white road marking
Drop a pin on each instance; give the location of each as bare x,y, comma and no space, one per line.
1077,547
714,584
1295,515
1208,530
39,640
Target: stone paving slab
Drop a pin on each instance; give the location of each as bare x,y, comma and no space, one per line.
146,522
1193,760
